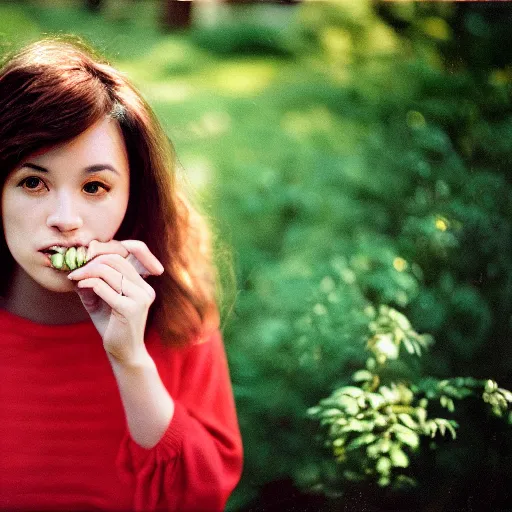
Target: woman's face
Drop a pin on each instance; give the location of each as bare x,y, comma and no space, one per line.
69,195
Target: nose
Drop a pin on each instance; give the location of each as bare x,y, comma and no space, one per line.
64,214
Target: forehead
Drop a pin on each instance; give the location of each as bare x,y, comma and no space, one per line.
102,142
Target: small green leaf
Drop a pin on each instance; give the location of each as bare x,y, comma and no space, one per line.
384,481
354,426
391,396
376,400
408,345
432,425
361,440
400,319
331,412
371,363
408,421
406,435
385,346
417,347
352,391
421,413
490,386
373,450
349,405
383,466
362,376
452,430
398,457
506,393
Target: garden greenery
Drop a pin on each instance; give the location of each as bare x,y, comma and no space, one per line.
378,210
375,427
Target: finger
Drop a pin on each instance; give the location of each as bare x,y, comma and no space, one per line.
110,295
116,301
96,248
138,266
141,251
110,268
103,271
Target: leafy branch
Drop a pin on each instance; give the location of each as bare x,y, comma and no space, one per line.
374,429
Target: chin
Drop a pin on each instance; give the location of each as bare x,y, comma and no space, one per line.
57,285
52,280
27,275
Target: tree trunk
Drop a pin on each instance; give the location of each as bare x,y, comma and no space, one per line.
93,5
177,13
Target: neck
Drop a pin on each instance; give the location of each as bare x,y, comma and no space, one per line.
28,299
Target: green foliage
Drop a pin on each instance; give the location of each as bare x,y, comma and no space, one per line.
247,33
498,398
417,219
374,428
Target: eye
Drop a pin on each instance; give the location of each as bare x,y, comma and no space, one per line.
31,183
94,185
31,180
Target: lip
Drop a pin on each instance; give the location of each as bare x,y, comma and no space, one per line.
47,256
67,245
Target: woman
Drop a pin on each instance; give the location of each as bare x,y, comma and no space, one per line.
115,388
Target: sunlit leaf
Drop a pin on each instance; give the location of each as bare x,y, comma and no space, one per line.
383,465
398,457
408,421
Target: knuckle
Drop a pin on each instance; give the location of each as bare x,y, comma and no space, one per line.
93,245
134,244
150,296
131,309
110,257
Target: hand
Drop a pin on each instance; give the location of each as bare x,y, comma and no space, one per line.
113,267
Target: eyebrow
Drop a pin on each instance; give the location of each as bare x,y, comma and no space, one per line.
90,169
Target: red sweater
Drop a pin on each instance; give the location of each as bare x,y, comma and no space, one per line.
64,440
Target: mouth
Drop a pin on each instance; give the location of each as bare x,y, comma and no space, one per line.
54,249
65,259
47,253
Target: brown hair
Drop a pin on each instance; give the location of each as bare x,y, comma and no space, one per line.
52,91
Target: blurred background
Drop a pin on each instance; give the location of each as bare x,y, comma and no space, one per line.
355,161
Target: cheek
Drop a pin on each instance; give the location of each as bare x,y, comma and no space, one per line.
110,219
18,230
16,219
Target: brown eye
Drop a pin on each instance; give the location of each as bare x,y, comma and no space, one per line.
94,186
31,182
